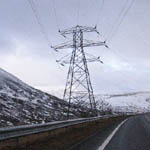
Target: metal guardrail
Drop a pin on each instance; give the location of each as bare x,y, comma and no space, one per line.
12,132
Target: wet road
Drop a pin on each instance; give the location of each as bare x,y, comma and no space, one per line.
133,134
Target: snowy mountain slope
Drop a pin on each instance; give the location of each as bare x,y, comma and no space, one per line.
22,104
131,102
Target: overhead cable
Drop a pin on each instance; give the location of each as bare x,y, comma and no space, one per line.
120,18
99,16
55,13
78,11
38,18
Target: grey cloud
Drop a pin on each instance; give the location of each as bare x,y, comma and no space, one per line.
7,46
19,29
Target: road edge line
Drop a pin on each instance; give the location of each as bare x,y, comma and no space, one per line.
108,139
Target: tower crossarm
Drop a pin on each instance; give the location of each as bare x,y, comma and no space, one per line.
89,58
78,28
86,43
89,43
65,45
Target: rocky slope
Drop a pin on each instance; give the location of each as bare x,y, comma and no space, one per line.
22,104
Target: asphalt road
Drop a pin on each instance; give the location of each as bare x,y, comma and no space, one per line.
134,134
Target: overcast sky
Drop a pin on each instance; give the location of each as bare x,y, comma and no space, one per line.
25,52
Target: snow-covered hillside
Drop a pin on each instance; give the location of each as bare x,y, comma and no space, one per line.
130,102
22,104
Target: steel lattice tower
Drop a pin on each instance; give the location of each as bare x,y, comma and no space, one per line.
78,85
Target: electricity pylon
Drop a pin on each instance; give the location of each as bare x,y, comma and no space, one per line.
78,86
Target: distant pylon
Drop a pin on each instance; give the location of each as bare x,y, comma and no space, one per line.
78,85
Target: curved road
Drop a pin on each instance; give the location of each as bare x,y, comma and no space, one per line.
133,134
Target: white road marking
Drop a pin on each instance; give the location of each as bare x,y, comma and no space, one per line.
102,147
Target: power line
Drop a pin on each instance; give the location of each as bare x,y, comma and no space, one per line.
99,16
117,54
55,13
120,19
38,18
124,75
42,29
125,60
78,11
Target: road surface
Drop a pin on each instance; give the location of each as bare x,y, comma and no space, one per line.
133,134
